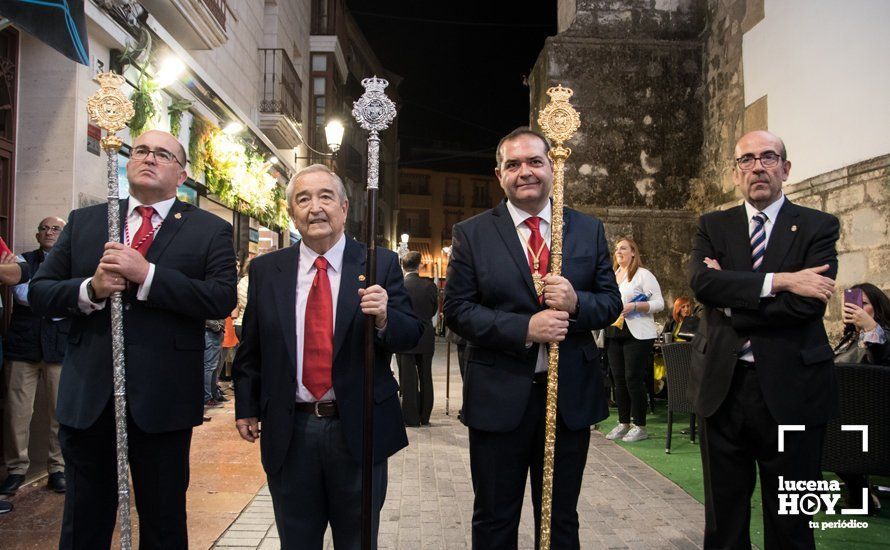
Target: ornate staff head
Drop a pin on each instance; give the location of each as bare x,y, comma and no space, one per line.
110,109
374,112
559,121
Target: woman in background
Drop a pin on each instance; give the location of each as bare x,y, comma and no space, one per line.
630,340
682,323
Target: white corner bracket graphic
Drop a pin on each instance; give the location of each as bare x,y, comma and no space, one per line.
788,428
858,428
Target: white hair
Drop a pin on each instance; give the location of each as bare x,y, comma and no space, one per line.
311,169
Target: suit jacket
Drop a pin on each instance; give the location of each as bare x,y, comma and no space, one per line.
794,362
194,280
489,300
31,337
425,301
265,367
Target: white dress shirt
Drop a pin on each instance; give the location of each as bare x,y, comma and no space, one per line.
524,233
134,222
305,276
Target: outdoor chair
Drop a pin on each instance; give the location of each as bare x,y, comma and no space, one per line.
678,363
864,400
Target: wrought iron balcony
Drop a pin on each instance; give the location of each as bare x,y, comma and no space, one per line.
281,106
218,9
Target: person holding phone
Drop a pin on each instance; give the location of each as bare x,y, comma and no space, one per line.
866,318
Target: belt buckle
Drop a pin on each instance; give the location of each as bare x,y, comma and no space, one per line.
317,414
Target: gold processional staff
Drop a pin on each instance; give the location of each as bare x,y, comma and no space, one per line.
110,109
559,122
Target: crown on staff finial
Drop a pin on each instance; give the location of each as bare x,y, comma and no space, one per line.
375,84
558,93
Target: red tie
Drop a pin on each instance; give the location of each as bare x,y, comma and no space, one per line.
537,246
145,235
318,333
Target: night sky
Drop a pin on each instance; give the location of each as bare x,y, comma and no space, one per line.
463,64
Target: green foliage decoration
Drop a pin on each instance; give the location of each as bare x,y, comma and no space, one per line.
175,111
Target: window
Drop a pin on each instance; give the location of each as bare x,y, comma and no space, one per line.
319,62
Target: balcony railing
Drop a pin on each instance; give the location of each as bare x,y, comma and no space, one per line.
218,8
282,87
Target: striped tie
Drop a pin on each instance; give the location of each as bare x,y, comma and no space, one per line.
758,248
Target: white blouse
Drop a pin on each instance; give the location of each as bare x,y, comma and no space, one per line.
642,324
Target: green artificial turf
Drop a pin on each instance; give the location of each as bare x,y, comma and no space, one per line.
683,467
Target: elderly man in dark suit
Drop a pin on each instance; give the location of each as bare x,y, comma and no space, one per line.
491,299
764,271
299,369
416,366
176,267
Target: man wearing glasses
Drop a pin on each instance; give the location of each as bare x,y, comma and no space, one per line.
35,346
764,271
175,265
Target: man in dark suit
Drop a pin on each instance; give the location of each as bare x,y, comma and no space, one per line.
416,365
176,267
764,272
492,301
300,374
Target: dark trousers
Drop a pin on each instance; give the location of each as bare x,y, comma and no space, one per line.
159,464
628,358
416,383
500,464
742,434
321,483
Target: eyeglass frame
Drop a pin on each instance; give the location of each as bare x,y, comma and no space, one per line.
46,228
754,159
154,152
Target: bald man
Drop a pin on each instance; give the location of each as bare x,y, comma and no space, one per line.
764,271
175,265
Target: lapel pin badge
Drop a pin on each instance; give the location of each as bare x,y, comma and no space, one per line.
178,216
361,278
793,228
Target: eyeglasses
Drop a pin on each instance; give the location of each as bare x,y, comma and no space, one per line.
162,156
767,160
48,228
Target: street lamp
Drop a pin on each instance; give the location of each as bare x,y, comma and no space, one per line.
333,133
403,245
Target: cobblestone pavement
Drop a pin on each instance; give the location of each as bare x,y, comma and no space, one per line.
429,504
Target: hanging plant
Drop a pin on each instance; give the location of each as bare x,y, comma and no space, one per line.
175,111
143,98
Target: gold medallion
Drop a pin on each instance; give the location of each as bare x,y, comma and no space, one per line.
110,109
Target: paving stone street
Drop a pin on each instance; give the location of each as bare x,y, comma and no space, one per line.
429,504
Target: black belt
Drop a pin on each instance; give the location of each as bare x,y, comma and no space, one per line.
321,409
540,378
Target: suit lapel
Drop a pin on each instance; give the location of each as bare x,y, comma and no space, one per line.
738,239
286,299
348,299
171,225
504,224
780,239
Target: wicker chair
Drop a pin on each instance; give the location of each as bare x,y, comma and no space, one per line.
678,363
864,399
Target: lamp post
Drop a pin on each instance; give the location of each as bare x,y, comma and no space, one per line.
333,133
403,245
